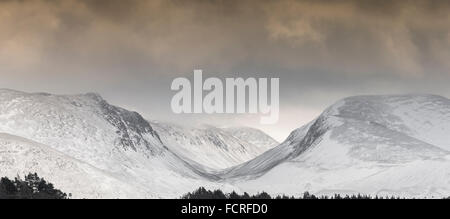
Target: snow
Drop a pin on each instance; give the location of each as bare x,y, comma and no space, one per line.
377,145
253,136
212,147
114,141
19,156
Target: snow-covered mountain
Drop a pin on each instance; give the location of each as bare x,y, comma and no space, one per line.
397,145
19,156
88,129
213,147
253,136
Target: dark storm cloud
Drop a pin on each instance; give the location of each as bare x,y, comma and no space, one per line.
131,50
363,36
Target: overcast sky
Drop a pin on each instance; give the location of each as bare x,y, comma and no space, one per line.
130,51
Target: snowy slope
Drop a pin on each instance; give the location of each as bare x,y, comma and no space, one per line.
253,136
213,147
19,156
368,144
83,126
114,140
396,145
271,158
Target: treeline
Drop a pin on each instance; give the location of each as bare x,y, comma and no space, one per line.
32,187
203,193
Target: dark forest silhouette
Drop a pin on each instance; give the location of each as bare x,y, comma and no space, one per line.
203,193
32,187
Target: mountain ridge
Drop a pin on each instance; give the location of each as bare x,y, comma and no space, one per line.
376,145
114,140
352,143
215,148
